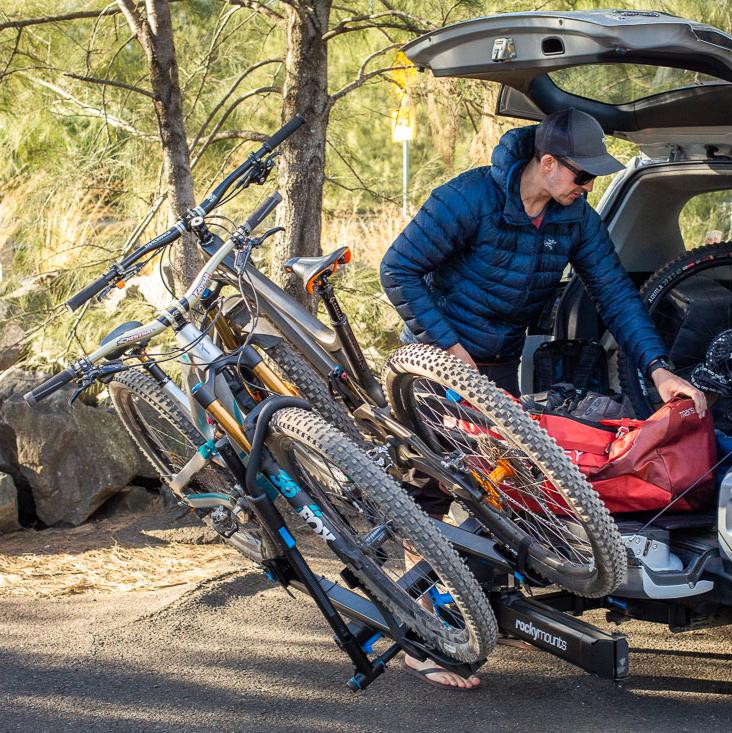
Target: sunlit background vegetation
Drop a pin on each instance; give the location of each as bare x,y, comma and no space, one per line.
80,162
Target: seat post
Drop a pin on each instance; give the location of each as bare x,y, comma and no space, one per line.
344,332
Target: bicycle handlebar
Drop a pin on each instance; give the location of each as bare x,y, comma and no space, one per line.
166,317
205,207
78,299
283,133
48,387
261,213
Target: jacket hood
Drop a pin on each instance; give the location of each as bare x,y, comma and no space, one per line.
514,150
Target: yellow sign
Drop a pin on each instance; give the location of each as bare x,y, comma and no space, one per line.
403,121
404,77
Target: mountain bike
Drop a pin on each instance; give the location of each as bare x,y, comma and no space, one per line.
240,453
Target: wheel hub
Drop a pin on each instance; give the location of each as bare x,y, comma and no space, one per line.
715,374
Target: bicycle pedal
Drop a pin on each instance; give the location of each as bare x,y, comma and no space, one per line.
224,522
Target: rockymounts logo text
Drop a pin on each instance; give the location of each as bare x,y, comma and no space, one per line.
540,635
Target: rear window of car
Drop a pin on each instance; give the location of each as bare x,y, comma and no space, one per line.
706,219
623,83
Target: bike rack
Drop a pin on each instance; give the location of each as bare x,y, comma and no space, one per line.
528,619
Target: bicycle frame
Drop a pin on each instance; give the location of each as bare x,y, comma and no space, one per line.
319,344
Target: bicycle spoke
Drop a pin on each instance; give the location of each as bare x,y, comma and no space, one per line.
361,518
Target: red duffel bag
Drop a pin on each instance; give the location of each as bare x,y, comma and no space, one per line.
642,465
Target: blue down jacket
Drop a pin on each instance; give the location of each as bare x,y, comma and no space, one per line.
472,268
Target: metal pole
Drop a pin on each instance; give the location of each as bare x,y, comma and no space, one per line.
405,178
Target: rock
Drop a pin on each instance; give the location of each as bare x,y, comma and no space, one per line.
73,459
11,347
32,284
8,454
8,504
134,499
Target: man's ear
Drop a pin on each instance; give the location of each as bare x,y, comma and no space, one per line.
547,163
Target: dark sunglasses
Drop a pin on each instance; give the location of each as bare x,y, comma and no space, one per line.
581,178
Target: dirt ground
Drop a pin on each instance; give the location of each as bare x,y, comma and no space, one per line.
143,624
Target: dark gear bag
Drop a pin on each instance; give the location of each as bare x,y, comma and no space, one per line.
581,362
566,399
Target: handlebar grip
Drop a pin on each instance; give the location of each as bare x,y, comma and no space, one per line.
76,301
262,212
49,386
284,132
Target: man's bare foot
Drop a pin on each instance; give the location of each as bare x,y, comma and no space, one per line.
440,676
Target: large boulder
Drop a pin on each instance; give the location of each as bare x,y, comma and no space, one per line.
8,504
11,346
73,459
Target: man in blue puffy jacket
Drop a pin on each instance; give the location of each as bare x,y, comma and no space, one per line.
486,251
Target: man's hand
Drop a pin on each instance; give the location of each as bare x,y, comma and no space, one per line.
669,385
463,355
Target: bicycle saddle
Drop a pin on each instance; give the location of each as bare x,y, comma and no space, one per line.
310,268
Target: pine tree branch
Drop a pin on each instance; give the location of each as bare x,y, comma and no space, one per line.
246,135
211,55
228,94
229,110
360,81
259,7
409,23
111,83
362,68
18,34
91,111
78,15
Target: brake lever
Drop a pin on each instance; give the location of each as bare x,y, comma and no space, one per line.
87,380
103,373
259,240
124,275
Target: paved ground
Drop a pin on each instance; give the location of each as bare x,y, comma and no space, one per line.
234,653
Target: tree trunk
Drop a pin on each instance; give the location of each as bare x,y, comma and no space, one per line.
155,34
302,166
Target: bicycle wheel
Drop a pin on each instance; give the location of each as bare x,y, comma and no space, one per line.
168,439
534,500
690,303
446,607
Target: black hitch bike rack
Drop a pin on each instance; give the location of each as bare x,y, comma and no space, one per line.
535,621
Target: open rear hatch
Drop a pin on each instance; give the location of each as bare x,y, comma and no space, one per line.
648,77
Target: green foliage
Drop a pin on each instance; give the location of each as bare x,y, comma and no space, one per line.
80,161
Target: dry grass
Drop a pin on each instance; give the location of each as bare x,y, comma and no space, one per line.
89,558
373,318
368,235
113,569
70,226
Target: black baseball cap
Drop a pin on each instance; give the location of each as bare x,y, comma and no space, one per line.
578,136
